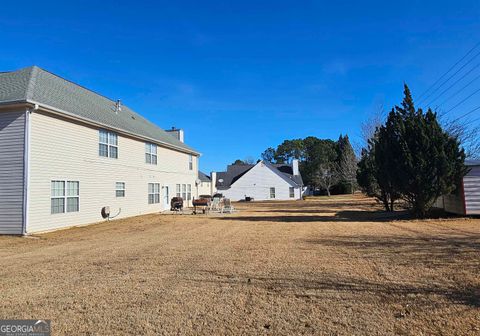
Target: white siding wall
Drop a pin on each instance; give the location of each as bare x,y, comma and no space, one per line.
471,184
256,183
204,188
62,149
12,139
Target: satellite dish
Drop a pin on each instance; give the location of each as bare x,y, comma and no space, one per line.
220,180
198,181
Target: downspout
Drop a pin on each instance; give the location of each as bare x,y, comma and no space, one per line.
26,168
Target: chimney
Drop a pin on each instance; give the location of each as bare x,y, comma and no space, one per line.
295,169
118,106
213,188
177,133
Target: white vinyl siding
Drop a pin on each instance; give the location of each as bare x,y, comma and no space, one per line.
256,183
119,189
153,193
65,196
108,144
98,175
150,153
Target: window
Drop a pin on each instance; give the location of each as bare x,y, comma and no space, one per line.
153,193
65,196
120,189
108,144
151,153
272,192
190,162
184,191
189,192
292,192
179,190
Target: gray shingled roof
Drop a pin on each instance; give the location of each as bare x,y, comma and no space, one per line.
35,85
235,172
203,177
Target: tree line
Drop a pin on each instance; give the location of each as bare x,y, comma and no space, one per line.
324,164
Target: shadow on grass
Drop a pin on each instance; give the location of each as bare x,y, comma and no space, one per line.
334,283
427,248
337,216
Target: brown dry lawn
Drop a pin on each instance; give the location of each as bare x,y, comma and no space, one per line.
325,267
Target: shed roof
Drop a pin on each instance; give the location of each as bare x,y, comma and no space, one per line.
38,86
472,162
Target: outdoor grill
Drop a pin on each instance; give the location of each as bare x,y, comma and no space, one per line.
202,203
176,204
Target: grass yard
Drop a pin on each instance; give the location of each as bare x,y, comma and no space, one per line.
329,266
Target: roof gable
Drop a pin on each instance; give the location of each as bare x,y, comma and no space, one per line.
236,172
36,85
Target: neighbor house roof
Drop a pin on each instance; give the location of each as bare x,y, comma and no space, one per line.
236,171
203,177
37,86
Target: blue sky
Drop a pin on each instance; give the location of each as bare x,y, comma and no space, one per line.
243,76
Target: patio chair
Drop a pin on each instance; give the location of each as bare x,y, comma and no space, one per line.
215,205
227,206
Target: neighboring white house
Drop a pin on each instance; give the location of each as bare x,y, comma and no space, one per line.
261,181
66,152
466,199
204,185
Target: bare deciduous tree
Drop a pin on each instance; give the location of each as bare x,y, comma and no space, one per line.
327,176
468,133
369,126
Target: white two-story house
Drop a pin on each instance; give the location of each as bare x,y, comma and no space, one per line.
66,152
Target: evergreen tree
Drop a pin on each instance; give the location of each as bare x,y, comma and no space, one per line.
428,161
347,163
411,157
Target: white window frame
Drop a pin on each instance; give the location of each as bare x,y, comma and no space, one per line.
272,192
184,192
154,192
190,162
120,187
110,143
151,153
291,192
189,192
65,196
178,190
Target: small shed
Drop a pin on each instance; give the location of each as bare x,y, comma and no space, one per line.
466,200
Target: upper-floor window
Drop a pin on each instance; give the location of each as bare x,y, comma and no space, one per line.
108,144
291,192
150,153
190,162
65,196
